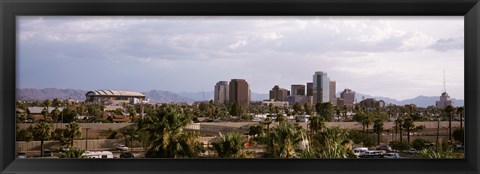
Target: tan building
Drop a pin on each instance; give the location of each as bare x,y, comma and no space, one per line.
347,97
298,90
278,94
332,89
221,93
239,92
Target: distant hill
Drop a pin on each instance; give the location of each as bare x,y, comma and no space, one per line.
161,96
420,101
29,94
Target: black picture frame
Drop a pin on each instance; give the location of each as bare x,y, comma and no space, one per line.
470,9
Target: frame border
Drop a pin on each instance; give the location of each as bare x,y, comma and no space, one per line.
470,9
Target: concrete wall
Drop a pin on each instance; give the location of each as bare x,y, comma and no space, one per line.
97,126
100,126
104,144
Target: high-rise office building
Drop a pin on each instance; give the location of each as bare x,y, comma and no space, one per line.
309,89
278,94
298,90
239,92
332,89
221,93
321,86
348,97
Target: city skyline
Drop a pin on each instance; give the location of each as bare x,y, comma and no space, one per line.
396,57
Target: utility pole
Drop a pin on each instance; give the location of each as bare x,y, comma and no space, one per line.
86,139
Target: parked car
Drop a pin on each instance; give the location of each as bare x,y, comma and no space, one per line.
372,154
122,147
412,150
126,155
47,152
21,155
385,147
392,155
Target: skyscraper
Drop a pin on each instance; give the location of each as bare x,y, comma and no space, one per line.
221,93
239,92
444,98
332,89
309,89
348,97
321,85
298,90
278,94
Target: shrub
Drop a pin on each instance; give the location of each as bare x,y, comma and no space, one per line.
420,143
361,137
458,135
400,145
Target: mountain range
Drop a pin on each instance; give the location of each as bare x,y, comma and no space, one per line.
161,96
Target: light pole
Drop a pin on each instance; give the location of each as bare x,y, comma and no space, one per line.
86,139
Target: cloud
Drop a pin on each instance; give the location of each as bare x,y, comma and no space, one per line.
266,50
448,44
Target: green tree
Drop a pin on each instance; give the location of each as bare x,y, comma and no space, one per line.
449,110
461,113
297,109
316,124
442,151
408,125
55,114
71,132
458,135
420,143
73,153
42,132
333,143
256,131
45,114
307,108
230,145
235,109
166,138
24,135
282,141
378,128
325,110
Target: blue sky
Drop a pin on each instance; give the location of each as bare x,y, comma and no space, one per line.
397,57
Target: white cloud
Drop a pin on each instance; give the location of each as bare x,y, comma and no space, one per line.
401,55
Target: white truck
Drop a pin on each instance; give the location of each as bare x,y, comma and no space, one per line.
98,154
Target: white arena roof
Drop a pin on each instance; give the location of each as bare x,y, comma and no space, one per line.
114,93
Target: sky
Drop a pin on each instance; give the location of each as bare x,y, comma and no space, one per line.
396,57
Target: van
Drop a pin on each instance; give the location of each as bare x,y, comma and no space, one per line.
360,151
99,154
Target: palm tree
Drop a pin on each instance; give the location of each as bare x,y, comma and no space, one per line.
378,127
316,123
230,145
344,112
166,138
333,143
283,141
71,132
42,132
45,114
449,110
73,153
408,125
461,112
